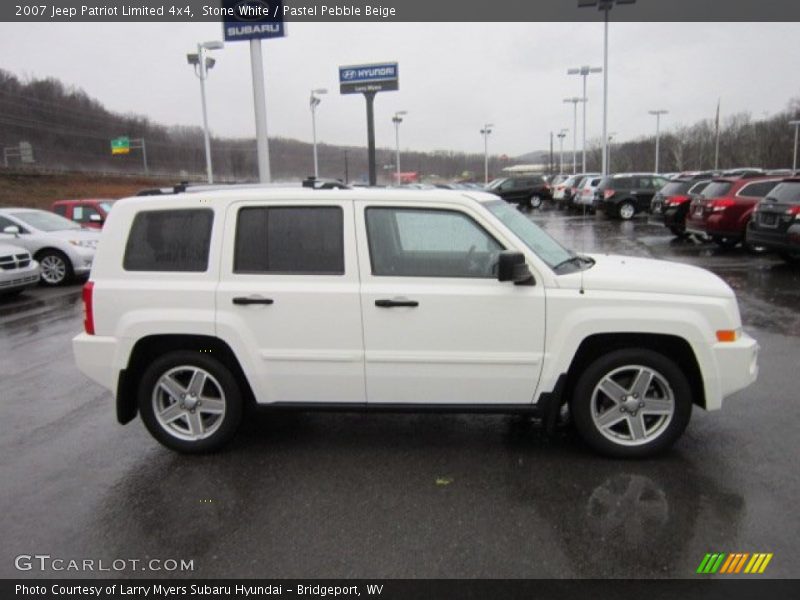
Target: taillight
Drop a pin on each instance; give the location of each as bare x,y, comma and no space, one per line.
88,307
794,211
720,205
676,200
608,193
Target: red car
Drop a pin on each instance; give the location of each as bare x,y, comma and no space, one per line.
724,208
87,212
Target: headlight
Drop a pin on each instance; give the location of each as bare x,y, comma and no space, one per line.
84,243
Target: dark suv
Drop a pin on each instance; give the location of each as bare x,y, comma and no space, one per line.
627,194
671,203
526,190
775,223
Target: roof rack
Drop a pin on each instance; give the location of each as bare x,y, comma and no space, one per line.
185,187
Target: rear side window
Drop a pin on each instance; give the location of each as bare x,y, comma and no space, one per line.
675,187
787,193
169,240
758,189
302,240
699,187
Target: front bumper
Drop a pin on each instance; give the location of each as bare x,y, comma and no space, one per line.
736,368
17,279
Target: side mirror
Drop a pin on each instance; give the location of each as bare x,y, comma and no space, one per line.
511,266
95,218
12,229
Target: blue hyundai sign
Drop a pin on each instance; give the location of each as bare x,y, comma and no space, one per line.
357,79
252,19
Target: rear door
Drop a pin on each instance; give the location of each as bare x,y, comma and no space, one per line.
438,326
289,297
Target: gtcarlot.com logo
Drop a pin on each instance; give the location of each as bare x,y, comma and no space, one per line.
734,563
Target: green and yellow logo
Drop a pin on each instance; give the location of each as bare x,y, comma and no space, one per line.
734,563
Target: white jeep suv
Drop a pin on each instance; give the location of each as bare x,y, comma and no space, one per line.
202,304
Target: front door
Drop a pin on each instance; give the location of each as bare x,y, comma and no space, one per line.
439,328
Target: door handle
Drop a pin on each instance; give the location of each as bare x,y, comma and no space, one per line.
386,303
245,300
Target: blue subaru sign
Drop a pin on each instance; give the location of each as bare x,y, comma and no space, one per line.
252,19
357,79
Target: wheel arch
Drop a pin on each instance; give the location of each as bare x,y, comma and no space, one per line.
150,347
671,346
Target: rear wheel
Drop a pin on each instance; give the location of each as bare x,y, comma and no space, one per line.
626,210
631,403
535,201
190,402
725,242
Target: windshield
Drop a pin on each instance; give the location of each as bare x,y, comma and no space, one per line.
675,187
106,205
715,189
496,183
45,221
534,237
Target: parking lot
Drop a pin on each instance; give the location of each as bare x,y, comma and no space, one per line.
423,496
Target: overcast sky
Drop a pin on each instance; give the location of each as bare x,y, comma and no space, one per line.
453,77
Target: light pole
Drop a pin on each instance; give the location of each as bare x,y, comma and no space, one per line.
487,129
658,114
610,139
605,6
397,119
575,102
314,102
584,72
561,135
794,160
202,64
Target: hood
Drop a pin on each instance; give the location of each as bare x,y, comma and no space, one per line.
6,249
629,274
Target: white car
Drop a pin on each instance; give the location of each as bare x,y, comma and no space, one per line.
18,270
63,249
395,300
584,193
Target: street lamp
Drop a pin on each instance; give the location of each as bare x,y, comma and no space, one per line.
397,119
605,6
794,160
313,103
485,132
561,135
610,139
202,64
658,114
575,102
584,72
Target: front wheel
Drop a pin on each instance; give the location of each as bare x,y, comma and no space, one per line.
190,402
626,211
631,403
56,268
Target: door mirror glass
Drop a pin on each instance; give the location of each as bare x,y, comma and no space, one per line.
511,266
95,218
12,230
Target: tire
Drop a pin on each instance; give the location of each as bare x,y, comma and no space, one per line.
677,230
535,201
725,242
56,268
626,210
792,259
173,379
637,433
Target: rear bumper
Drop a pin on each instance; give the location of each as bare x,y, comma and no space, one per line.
96,356
788,241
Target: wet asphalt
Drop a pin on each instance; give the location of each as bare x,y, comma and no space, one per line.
374,496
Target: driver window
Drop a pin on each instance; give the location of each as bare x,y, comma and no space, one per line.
429,243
